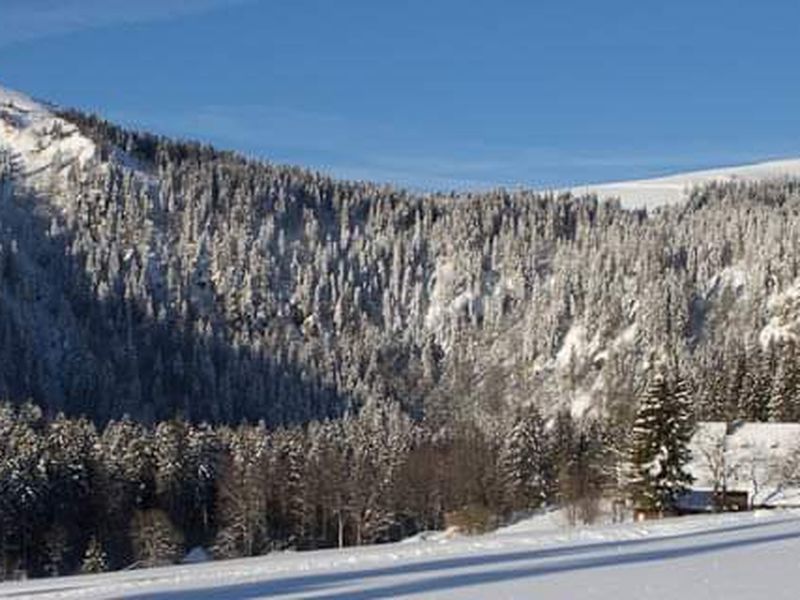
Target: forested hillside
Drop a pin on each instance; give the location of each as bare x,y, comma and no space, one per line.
157,278
197,348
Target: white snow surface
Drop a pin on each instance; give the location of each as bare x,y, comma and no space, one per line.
726,556
673,189
42,144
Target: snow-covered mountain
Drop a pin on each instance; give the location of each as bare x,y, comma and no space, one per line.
45,142
344,291
43,145
149,277
672,189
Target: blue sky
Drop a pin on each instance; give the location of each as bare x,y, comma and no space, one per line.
433,93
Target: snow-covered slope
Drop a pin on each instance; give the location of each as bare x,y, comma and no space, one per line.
648,193
43,145
732,556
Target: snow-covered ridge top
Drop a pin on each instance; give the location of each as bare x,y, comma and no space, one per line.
45,145
20,100
42,144
672,189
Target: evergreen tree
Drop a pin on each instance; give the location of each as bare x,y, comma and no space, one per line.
585,474
94,559
659,445
678,434
784,392
242,495
155,539
525,461
757,382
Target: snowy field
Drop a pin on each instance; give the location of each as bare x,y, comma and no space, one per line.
649,193
735,557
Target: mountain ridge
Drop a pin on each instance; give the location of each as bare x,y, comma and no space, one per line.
635,193
150,277
671,189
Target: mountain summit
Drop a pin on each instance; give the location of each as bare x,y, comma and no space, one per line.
43,143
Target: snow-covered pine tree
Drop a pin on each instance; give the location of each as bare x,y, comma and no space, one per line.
583,478
124,480
525,463
659,445
780,395
289,487
94,559
23,481
202,466
170,470
645,446
680,428
754,395
784,392
711,404
242,495
155,539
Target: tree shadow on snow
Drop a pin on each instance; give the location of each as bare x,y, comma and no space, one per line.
321,584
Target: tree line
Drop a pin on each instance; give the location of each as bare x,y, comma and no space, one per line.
75,498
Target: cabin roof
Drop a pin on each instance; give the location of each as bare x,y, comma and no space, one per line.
752,457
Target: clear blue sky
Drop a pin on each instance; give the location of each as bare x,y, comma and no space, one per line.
430,93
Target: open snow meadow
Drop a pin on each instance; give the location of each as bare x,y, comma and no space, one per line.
732,556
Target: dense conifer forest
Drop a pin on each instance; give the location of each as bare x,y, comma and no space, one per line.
75,498
199,349
182,280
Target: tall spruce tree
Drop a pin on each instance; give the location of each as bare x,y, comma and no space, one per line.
659,449
242,495
525,461
784,393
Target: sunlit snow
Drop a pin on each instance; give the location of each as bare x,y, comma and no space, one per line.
731,556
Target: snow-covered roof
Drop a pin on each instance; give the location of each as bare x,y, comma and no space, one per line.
753,457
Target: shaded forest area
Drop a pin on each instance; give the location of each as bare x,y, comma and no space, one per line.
77,499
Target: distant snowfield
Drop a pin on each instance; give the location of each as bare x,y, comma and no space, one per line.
731,557
649,193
